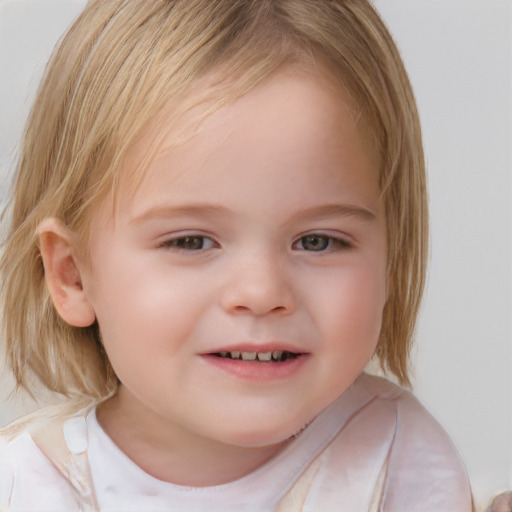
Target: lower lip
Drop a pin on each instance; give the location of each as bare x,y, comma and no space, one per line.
258,371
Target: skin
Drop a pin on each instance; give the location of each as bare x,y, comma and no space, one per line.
262,231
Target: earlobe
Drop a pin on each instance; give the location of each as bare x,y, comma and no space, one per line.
62,273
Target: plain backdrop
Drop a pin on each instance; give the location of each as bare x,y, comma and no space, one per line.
458,54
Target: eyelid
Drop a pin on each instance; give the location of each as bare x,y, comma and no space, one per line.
172,238
341,242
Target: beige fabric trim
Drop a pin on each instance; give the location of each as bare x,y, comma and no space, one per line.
294,499
46,428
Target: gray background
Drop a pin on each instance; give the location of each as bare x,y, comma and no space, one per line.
458,54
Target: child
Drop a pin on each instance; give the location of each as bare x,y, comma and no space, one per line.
219,218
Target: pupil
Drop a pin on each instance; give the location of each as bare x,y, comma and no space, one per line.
315,242
192,242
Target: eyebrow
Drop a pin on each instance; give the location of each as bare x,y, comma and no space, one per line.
337,210
208,211
169,212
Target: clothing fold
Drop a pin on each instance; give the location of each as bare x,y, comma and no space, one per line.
374,449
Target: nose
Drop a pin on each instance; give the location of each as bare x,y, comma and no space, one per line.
258,285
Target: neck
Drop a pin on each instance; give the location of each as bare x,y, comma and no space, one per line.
172,454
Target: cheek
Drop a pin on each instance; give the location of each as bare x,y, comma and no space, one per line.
145,313
352,308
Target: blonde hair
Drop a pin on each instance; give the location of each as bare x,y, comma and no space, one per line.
121,64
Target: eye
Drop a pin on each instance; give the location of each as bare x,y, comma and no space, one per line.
190,243
319,243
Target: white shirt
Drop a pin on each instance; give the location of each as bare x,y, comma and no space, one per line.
375,448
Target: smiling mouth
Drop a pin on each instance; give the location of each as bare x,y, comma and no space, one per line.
276,356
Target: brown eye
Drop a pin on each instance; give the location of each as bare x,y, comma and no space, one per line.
190,243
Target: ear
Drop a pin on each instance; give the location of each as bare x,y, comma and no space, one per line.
62,273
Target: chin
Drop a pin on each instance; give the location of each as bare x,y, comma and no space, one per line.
257,436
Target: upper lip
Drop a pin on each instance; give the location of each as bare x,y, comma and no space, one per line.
259,347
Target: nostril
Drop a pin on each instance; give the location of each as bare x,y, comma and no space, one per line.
258,293
255,310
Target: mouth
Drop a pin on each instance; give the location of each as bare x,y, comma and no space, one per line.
275,356
261,364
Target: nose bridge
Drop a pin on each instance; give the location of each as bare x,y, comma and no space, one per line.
259,284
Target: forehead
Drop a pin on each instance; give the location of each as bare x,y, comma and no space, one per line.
267,120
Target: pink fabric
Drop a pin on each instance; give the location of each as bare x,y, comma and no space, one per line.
374,449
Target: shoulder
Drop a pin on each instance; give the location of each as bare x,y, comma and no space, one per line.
388,455
27,477
419,439
11,454
424,470
33,458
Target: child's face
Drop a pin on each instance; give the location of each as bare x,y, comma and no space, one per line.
263,233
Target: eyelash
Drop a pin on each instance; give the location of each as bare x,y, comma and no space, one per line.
328,243
194,243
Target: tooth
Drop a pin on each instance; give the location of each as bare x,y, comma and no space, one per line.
264,356
235,354
277,354
249,356
223,354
